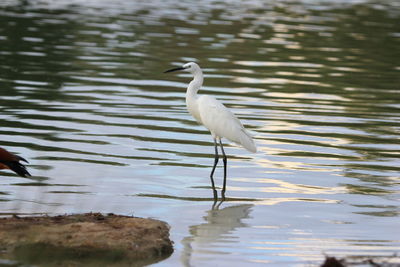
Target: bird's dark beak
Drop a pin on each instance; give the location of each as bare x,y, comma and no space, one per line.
174,69
21,158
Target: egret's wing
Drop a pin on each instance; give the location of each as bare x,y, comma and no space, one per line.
222,122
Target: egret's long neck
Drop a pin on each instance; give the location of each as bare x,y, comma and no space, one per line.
195,84
191,94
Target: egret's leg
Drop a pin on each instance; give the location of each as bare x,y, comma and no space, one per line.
213,169
225,163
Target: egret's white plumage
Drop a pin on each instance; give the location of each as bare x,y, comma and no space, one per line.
218,119
222,123
211,113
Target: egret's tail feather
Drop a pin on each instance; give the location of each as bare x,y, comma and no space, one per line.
246,140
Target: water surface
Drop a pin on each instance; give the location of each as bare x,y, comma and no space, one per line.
84,99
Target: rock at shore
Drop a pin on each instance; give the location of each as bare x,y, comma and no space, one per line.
90,239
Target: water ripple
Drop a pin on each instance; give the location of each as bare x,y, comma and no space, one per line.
84,98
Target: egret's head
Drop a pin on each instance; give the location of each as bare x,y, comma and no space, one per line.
189,67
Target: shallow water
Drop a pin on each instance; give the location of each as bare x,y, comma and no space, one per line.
84,99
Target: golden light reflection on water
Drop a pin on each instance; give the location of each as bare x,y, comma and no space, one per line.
289,188
285,166
248,80
278,64
293,74
316,96
275,201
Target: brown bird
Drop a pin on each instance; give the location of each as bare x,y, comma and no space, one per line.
12,162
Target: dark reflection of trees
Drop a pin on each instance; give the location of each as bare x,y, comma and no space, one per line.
31,50
218,228
356,49
355,45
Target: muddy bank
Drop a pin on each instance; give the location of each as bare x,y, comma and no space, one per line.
393,261
90,239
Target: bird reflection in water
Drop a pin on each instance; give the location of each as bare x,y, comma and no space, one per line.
219,227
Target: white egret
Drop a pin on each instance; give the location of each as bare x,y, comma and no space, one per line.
219,120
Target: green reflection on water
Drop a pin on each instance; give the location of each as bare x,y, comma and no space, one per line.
318,84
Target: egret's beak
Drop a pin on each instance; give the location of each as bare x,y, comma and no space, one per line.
174,69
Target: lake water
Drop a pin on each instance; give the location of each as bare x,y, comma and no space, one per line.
84,99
